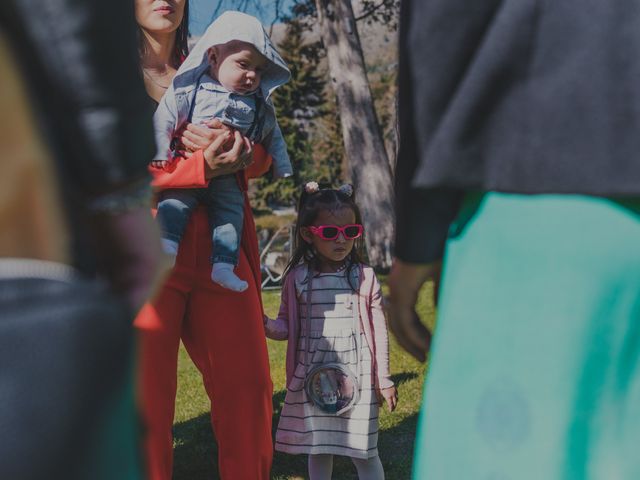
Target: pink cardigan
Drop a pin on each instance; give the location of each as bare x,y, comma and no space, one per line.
372,321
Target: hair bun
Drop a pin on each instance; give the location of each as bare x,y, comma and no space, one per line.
311,187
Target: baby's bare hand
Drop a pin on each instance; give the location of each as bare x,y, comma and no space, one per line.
160,164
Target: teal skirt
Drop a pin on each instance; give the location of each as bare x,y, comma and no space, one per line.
535,367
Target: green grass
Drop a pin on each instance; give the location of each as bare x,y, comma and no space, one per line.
195,449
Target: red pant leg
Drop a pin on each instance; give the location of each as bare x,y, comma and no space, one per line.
225,337
159,325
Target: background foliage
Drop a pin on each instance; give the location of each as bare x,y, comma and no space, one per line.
306,106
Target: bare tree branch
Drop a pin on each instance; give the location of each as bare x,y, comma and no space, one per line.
373,10
276,17
259,7
216,11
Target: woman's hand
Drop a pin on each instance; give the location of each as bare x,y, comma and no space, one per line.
220,162
198,137
212,137
390,395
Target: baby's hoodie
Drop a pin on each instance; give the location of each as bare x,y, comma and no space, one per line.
176,106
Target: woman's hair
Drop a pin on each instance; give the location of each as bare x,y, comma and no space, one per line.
181,47
309,206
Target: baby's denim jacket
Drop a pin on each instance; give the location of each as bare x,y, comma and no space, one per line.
194,96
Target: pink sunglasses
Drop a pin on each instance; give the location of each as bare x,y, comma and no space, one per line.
331,232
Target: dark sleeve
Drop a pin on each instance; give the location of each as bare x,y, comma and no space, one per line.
423,216
81,62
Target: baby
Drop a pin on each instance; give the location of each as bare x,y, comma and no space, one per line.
229,75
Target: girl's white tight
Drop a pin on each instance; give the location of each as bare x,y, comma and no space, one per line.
321,467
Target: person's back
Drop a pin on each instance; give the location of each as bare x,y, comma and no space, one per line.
513,95
519,123
66,297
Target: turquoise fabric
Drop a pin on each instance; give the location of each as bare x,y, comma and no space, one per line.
535,368
116,452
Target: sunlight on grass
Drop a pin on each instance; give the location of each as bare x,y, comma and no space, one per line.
195,454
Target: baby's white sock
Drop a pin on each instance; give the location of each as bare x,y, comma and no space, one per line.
170,247
222,274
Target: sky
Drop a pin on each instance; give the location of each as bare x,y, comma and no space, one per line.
202,11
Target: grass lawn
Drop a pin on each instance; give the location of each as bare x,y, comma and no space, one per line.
195,449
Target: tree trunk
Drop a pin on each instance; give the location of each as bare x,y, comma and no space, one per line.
363,142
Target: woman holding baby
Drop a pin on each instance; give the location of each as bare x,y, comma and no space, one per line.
221,329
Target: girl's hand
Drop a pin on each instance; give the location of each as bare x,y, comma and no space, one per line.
275,329
390,395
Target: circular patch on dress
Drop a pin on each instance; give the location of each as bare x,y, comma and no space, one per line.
503,416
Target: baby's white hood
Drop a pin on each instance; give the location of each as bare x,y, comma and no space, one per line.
236,26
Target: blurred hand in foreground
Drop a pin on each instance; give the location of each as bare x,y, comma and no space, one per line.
405,281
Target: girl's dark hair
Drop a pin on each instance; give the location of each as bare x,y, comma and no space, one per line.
309,206
181,47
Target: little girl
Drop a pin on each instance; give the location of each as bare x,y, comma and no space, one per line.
337,356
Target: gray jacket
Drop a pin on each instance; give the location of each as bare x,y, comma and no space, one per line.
193,95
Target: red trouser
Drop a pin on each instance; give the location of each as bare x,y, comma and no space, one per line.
223,333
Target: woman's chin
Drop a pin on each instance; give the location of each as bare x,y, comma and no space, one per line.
162,24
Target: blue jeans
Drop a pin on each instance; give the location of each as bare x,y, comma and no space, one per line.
225,207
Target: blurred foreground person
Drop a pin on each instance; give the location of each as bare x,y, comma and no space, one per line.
519,151
78,248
